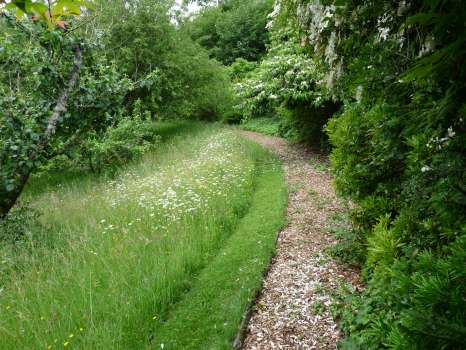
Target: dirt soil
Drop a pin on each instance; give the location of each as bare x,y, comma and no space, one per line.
293,309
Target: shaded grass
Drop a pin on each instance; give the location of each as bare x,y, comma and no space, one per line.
266,126
209,315
116,256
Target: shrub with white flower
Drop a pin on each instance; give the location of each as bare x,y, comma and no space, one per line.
399,145
284,76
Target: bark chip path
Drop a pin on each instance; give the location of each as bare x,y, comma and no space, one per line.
293,309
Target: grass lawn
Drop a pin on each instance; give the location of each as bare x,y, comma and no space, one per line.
126,261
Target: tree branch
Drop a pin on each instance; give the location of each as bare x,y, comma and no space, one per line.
8,200
60,107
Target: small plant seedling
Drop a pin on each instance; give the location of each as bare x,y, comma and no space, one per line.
319,164
318,308
295,187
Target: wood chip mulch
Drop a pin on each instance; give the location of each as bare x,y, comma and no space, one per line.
293,309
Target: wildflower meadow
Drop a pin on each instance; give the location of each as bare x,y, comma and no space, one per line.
121,252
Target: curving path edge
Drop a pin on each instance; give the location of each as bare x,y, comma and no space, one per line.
293,308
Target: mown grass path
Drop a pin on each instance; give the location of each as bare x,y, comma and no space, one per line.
294,308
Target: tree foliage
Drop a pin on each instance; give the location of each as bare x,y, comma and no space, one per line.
234,29
51,12
34,97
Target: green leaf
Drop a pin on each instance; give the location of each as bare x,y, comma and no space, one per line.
21,5
66,7
423,18
39,8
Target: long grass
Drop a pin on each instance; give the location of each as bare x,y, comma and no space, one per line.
115,255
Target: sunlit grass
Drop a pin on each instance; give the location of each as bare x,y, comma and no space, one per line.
117,253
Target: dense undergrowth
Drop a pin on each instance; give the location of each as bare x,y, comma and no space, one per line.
109,258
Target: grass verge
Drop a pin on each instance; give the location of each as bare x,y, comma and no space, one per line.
112,256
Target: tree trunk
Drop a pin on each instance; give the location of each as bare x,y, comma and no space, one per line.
9,198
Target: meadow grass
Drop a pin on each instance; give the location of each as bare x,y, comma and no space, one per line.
115,255
169,132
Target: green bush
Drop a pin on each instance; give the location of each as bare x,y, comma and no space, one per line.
285,85
131,138
436,292
241,69
18,224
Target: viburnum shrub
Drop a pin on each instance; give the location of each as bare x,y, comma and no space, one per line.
288,84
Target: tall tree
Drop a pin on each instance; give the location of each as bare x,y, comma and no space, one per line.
234,29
